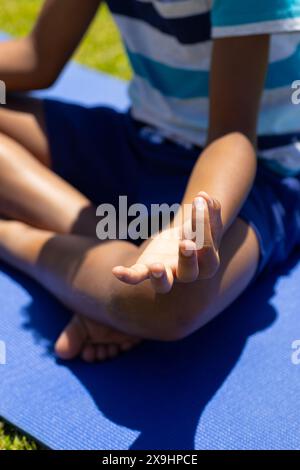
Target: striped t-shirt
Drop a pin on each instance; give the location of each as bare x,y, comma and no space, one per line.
169,44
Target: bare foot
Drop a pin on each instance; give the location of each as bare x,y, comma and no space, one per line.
92,341
170,258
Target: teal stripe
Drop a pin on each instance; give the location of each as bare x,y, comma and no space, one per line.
190,84
171,81
238,12
283,72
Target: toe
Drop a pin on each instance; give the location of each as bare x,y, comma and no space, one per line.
113,350
101,352
89,353
107,351
71,340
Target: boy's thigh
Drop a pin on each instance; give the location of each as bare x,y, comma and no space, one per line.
87,147
23,120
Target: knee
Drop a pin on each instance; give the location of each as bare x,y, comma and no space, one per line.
179,322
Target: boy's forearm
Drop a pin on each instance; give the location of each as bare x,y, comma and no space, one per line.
225,170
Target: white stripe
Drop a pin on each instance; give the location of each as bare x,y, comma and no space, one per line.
182,8
265,27
287,156
279,120
283,46
184,120
278,115
276,97
188,119
142,38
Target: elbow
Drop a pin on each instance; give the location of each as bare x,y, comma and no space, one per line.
43,79
38,83
36,71
43,70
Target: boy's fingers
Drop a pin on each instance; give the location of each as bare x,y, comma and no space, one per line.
187,269
201,223
215,217
133,275
162,279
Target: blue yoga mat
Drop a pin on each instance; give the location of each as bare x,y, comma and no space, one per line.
232,385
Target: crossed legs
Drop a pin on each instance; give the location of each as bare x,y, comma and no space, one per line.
51,237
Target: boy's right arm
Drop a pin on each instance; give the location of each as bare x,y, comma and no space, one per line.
35,61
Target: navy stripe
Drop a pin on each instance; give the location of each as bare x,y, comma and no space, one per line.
187,30
266,142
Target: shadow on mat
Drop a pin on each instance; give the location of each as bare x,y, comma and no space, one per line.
161,389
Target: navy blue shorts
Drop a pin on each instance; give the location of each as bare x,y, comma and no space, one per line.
105,153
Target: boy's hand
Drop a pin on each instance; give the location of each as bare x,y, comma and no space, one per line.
169,257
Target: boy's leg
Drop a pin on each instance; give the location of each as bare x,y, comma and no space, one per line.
31,192
133,307
77,271
22,119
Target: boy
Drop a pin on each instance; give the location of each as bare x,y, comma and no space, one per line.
211,91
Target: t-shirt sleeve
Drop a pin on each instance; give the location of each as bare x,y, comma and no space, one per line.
250,17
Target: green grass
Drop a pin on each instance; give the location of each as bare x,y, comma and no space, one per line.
100,49
10,439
